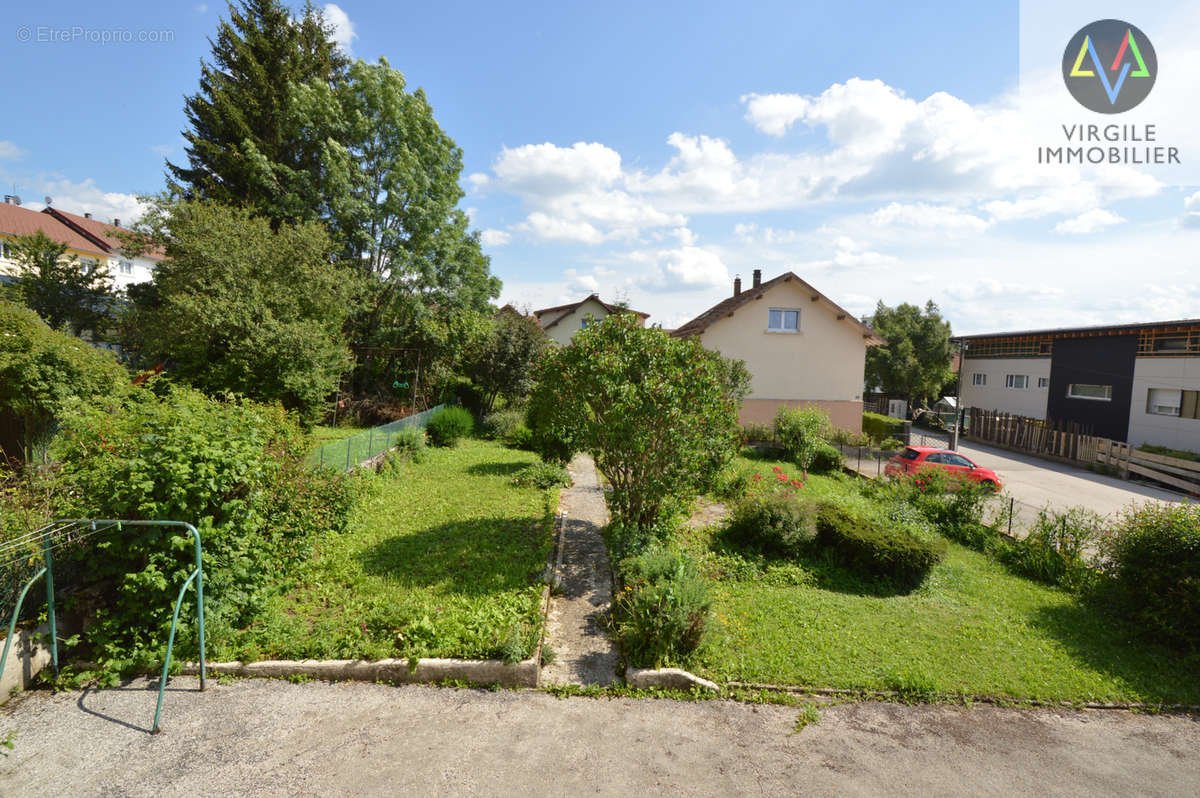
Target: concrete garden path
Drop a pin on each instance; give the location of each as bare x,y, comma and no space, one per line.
584,653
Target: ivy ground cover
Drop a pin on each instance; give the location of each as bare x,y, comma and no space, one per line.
443,558
972,628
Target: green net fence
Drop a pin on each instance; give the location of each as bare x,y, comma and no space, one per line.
349,452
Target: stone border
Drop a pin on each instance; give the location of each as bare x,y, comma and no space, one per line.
26,659
675,678
488,671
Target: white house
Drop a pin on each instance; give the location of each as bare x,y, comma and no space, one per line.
563,321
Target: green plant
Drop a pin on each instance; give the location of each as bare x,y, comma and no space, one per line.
1167,451
879,427
658,413
542,475
661,614
809,715
499,424
866,545
410,442
520,438
955,506
801,432
1059,549
731,484
826,458
758,433
1153,558
891,444
449,424
774,523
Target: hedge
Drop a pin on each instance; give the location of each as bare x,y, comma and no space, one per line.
866,546
880,427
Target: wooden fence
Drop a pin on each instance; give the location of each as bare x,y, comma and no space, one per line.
1072,443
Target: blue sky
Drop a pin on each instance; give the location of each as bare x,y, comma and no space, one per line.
651,153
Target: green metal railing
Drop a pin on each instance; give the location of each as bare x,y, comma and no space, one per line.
349,452
91,527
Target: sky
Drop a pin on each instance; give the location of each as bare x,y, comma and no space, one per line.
651,152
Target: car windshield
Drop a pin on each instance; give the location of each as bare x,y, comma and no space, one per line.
910,454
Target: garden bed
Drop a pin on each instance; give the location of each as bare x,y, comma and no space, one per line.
443,559
971,628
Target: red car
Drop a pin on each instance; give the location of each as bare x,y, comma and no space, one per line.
917,458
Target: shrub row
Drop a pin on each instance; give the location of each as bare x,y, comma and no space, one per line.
448,425
866,545
880,427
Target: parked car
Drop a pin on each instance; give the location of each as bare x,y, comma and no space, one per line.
917,458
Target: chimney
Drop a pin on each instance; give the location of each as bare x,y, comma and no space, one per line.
116,222
87,214
737,285
12,199
757,277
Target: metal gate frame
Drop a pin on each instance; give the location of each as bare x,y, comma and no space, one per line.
98,525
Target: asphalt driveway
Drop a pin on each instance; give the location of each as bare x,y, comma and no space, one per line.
264,738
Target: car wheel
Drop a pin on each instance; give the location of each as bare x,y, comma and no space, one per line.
987,483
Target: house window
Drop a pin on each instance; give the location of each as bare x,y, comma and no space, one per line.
125,267
979,379
1100,393
1171,402
1177,343
5,250
783,320
1043,382
1019,381
88,265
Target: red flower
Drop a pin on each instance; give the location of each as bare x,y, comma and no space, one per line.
795,483
758,477
781,477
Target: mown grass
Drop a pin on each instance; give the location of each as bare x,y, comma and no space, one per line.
442,559
971,628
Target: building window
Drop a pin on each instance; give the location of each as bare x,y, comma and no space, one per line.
1019,381
1172,402
1176,343
783,320
6,250
979,379
125,267
88,265
1043,382
1100,393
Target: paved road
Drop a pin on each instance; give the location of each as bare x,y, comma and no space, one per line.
265,738
1036,483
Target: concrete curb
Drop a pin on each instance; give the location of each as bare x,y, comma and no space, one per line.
26,658
429,670
675,678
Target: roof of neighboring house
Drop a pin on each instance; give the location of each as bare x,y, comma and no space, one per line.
567,309
1074,332
18,221
98,231
728,307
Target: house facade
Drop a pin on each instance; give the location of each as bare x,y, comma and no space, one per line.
563,321
92,242
801,348
1137,383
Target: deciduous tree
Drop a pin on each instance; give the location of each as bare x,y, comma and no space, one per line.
60,289
916,361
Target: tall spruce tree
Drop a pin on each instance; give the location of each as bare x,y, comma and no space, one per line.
242,148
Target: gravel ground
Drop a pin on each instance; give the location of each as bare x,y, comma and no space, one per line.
254,737
583,652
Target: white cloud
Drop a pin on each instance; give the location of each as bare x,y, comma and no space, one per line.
773,114
10,151
548,169
920,215
495,238
1088,222
548,228
683,268
162,149
343,28
87,197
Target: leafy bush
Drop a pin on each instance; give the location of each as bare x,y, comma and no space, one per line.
731,484
878,426
870,547
954,505
826,457
410,442
801,431
542,475
233,469
758,433
499,425
661,614
1058,549
1154,560
891,445
551,435
520,438
450,424
773,523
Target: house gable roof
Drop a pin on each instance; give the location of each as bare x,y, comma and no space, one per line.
733,304
18,221
100,232
567,310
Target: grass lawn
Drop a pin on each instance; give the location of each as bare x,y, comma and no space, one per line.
971,628
442,559
322,435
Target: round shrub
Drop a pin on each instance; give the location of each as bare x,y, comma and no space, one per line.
826,457
520,437
499,425
661,614
450,424
542,475
871,548
1154,559
801,430
773,523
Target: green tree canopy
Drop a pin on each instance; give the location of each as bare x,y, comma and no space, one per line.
502,364
237,306
242,145
66,293
916,361
42,371
659,414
